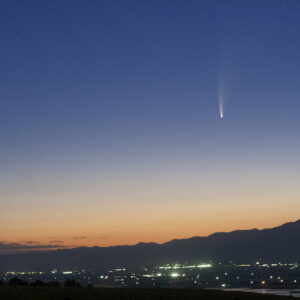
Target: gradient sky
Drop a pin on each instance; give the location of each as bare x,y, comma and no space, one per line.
110,130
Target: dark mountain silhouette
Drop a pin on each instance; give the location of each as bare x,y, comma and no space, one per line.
279,244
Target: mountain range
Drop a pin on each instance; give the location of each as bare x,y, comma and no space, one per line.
278,244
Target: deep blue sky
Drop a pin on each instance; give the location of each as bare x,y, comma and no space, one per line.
120,98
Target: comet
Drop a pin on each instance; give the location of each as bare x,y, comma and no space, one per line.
221,105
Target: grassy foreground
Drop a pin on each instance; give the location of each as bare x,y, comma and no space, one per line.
51,293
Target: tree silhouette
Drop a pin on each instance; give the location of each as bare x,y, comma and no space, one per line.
17,281
38,283
71,283
53,284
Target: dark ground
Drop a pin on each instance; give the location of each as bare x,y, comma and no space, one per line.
52,293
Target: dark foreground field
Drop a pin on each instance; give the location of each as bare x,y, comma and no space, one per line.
50,293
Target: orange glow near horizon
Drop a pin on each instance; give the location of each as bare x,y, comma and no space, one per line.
148,206
151,225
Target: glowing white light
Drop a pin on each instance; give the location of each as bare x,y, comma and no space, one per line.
221,105
164,268
148,275
189,267
204,266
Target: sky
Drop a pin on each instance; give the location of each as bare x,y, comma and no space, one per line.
129,121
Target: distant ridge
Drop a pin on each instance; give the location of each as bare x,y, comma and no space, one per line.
276,244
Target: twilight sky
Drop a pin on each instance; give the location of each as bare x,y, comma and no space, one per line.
110,130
